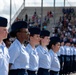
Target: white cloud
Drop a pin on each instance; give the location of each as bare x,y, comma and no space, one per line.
1,5
4,9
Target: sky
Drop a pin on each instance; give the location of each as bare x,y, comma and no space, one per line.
5,5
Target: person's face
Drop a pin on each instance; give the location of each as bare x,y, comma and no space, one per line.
62,43
67,44
25,33
45,40
36,39
3,32
56,47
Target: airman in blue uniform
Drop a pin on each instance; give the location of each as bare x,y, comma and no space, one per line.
4,55
54,46
67,57
62,57
44,56
19,58
74,57
31,49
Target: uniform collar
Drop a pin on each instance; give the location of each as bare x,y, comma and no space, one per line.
53,52
31,47
44,49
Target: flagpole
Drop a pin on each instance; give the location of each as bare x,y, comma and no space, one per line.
54,12
64,3
41,14
10,11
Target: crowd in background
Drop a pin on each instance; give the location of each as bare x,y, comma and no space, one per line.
61,45
66,30
35,19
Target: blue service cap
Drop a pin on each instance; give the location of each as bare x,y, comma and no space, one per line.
61,40
67,41
18,25
34,30
44,33
3,22
54,40
74,42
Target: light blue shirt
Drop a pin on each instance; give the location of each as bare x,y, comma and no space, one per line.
4,60
18,56
55,65
71,51
74,52
62,50
44,57
34,58
58,53
67,50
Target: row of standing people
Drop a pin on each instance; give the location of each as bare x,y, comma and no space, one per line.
34,59
39,59
67,57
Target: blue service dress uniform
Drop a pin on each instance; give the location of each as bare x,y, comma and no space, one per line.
4,60
71,59
19,59
55,64
58,54
33,61
74,59
67,59
44,61
59,57
62,59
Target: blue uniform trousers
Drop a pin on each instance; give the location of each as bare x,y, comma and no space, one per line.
43,71
54,73
18,72
32,72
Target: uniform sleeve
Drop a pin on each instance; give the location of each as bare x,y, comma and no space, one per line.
39,51
51,55
28,50
61,49
13,53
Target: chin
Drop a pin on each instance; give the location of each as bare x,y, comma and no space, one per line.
5,37
37,44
